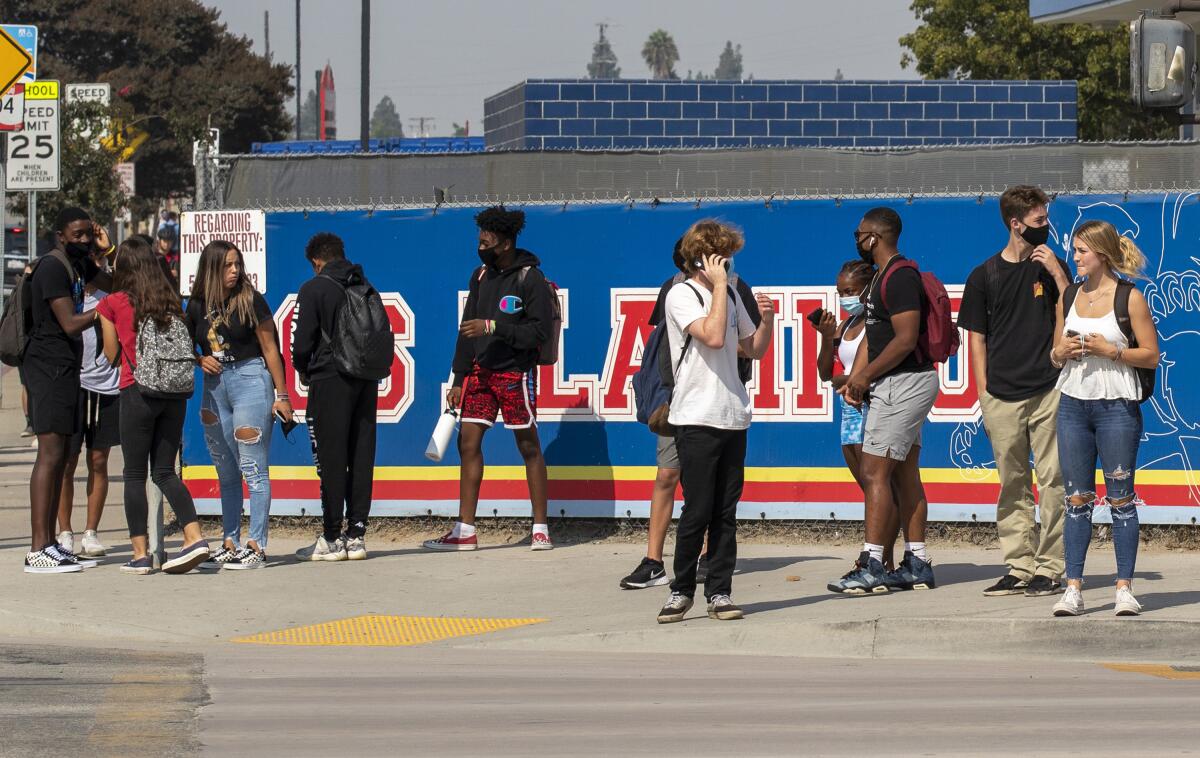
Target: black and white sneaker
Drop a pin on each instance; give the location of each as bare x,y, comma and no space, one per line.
1042,585
62,552
720,607
246,558
649,573
45,562
1008,585
217,560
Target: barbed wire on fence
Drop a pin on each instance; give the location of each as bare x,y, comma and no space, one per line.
345,182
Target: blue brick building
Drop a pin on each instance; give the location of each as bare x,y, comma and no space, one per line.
581,114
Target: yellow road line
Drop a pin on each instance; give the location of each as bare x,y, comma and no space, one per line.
1159,670
384,631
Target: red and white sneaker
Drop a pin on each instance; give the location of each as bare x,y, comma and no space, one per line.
449,543
540,541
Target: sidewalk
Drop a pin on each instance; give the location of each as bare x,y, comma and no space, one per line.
781,588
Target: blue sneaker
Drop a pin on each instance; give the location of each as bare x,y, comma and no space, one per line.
912,574
866,578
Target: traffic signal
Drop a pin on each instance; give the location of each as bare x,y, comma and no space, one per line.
1162,62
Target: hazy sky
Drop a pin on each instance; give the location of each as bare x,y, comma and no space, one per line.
442,58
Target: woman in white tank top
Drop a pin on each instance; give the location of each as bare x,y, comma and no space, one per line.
844,341
1099,414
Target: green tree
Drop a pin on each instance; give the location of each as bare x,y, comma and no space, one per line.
88,178
176,70
661,55
604,60
729,66
460,130
385,121
308,116
996,39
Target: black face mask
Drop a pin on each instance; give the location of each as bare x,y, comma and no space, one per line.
77,249
488,255
1036,235
867,255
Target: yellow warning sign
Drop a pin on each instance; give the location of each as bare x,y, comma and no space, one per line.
43,89
384,631
14,61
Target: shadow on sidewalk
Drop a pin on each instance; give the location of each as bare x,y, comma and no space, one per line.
774,563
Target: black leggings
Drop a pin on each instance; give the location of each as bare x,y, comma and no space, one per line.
152,430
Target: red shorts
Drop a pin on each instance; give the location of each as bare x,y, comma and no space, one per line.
512,393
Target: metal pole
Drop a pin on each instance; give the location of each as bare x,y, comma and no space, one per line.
3,232
365,89
267,34
297,69
31,230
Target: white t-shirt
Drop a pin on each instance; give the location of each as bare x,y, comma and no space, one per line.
96,373
708,390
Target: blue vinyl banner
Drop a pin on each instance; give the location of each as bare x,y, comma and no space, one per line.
609,261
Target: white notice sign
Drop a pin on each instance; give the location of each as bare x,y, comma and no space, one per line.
247,230
34,154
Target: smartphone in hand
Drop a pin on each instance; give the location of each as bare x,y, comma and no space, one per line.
815,317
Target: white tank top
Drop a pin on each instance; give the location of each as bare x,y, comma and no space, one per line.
848,348
1093,377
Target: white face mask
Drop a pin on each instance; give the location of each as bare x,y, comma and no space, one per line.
852,304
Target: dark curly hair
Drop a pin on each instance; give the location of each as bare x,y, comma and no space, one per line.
501,222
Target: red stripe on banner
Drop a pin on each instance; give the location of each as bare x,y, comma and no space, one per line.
602,490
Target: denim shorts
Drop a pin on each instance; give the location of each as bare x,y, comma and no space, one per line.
852,422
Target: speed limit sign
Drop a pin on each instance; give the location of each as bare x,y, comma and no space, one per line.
34,154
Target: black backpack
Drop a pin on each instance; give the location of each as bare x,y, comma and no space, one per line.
17,322
362,343
1146,376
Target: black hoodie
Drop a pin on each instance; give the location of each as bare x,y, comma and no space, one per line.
522,310
317,303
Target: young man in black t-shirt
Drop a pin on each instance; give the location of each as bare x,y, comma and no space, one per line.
903,385
1008,307
51,366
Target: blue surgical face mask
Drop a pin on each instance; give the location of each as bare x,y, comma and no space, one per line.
853,304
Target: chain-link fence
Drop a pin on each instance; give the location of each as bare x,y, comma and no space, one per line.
389,181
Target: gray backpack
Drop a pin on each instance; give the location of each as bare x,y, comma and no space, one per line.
165,361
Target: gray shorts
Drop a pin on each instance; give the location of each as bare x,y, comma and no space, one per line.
899,405
666,455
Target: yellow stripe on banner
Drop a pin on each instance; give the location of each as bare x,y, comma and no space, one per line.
646,473
1162,671
384,631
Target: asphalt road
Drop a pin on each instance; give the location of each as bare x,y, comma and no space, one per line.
274,701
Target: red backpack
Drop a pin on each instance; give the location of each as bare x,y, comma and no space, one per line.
939,339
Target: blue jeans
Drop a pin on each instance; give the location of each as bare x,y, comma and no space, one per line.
1112,430
240,398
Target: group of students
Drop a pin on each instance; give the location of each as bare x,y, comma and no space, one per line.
109,356
1060,366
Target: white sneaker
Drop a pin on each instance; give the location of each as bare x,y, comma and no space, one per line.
321,550
1127,604
356,548
92,546
675,609
1071,603
67,540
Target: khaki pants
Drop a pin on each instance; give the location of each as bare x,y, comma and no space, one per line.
1016,429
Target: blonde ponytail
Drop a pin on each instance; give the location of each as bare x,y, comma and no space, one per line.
1133,261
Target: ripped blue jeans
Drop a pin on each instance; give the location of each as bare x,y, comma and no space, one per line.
236,416
1110,430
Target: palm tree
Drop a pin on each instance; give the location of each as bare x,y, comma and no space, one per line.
661,55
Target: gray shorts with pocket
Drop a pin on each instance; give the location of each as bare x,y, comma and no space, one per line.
666,455
899,405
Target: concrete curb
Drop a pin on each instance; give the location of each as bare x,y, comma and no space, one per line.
16,624
1085,640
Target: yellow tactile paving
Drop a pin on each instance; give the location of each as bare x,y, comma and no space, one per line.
1156,669
384,631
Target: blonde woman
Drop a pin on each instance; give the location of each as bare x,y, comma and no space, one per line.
1104,335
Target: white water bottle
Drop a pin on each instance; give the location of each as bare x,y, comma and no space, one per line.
442,434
